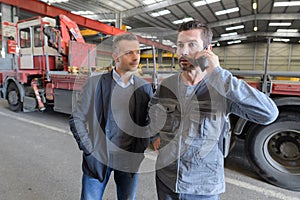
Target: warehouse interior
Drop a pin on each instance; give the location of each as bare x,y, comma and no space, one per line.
256,40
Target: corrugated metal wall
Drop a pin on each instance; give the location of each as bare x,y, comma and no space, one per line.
283,57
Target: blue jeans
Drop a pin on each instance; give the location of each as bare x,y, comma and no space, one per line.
165,193
93,189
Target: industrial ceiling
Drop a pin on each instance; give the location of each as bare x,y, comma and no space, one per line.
247,23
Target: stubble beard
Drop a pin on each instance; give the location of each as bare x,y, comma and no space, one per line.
133,69
187,67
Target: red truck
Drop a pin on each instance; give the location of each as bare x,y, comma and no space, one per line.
274,150
42,53
35,75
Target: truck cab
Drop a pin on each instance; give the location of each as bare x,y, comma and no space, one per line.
34,45
45,48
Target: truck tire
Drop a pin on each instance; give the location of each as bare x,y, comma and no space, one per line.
14,98
274,151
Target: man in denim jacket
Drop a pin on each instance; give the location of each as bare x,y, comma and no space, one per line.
190,112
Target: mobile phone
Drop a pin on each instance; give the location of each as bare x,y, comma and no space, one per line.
202,61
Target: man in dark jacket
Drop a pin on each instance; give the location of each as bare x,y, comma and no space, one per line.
110,122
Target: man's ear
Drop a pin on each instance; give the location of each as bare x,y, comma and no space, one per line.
115,57
209,47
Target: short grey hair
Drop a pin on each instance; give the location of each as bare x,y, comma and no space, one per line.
120,37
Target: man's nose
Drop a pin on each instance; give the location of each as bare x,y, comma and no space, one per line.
183,51
135,55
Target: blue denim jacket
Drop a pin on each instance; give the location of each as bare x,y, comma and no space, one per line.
192,128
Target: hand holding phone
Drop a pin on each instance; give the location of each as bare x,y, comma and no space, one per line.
202,62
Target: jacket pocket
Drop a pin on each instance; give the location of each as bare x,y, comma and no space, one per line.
196,122
172,118
204,132
211,127
198,170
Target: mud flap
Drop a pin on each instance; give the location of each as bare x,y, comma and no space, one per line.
29,104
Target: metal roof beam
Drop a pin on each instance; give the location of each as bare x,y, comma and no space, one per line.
285,16
149,8
142,9
42,8
261,34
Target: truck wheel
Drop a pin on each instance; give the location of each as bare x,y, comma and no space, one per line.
274,151
13,97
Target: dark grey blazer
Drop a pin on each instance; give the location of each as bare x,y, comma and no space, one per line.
89,118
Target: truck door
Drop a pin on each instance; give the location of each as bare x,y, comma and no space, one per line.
26,49
37,48
31,44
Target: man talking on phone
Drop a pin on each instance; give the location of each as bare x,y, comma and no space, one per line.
189,111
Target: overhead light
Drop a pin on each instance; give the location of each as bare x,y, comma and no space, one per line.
145,47
86,13
168,42
281,39
287,30
164,12
204,2
231,10
149,2
108,20
243,38
280,24
234,42
255,28
160,13
187,19
228,34
54,1
149,36
218,44
254,6
180,21
286,3
155,14
83,12
94,17
234,27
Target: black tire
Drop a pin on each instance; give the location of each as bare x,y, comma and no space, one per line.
14,98
274,151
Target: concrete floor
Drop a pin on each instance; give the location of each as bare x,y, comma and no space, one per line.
40,160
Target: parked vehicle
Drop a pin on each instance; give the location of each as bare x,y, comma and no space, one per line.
274,150
45,51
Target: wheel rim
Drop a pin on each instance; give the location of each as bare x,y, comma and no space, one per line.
13,97
282,151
